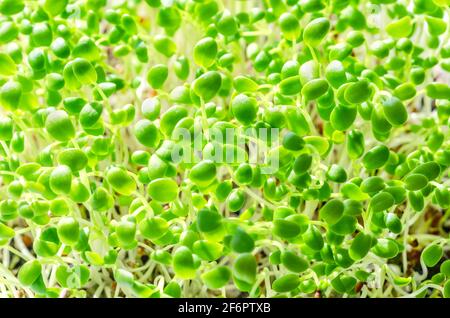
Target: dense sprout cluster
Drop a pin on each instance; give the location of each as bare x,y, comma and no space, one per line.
349,100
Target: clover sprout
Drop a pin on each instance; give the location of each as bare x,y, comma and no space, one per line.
221,148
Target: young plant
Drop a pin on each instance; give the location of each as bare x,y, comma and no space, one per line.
224,148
